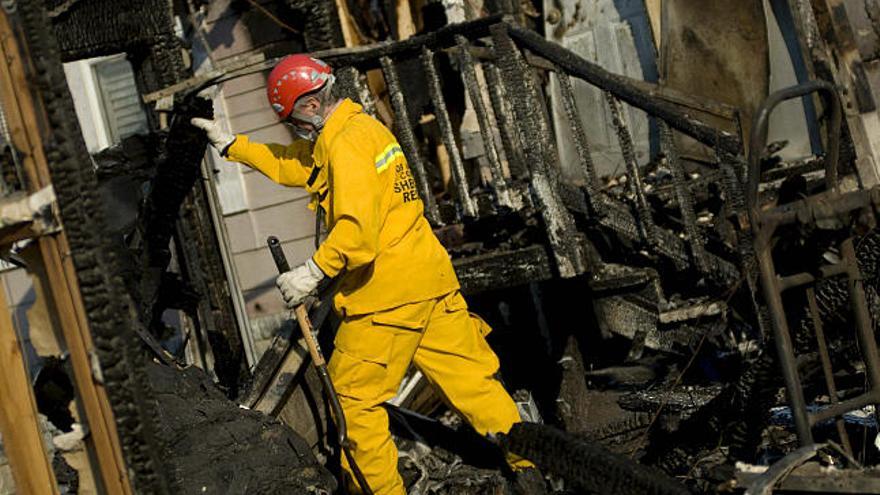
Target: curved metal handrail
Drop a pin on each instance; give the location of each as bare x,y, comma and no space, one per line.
760,124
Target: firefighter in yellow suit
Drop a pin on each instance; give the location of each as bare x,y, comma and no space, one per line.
399,296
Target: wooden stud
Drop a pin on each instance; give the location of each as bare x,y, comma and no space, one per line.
349,31
22,439
405,25
654,8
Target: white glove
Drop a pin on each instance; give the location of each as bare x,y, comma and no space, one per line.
220,139
299,283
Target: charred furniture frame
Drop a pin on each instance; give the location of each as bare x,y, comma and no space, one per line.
829,205
510,102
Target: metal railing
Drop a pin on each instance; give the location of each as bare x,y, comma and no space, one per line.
832,204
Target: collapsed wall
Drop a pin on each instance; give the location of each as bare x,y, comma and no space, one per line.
145,31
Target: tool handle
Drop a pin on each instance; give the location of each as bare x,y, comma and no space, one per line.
305,326
302,314
278,254
335,405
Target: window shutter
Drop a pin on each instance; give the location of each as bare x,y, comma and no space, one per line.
122,106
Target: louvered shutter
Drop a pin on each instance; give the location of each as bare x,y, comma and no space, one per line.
122,106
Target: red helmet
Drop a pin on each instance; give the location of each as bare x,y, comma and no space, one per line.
293,77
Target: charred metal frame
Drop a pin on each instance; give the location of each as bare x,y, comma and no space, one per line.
827,205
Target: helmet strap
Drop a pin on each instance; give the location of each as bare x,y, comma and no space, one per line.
317,121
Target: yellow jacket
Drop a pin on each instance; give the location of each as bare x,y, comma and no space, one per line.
358,174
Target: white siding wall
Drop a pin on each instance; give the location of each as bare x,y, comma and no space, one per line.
253,206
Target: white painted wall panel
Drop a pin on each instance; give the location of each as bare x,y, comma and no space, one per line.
620,30
788,122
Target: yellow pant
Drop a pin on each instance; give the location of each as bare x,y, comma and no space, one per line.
447,344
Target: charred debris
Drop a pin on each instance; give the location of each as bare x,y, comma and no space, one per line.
697,318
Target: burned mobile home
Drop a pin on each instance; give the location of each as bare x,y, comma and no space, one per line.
665,210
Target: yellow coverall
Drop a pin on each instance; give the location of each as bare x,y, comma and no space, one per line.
399,297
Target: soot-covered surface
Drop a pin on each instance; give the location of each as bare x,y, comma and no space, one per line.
211,445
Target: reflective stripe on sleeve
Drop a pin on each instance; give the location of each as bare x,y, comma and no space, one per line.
384,159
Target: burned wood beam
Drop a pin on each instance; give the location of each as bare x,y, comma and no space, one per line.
87,285
582,144
685,199
92,28
408,140
621,87
175,177
541,158
368,56
664,93
501,108
324,29
732,186
448,133
352,82
469,74
503,269
627,149
586,465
